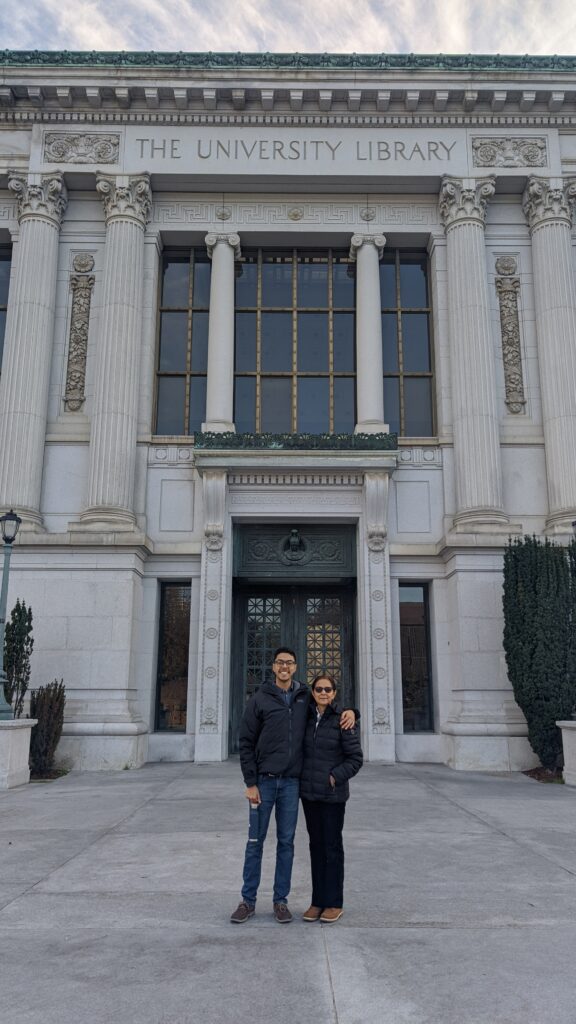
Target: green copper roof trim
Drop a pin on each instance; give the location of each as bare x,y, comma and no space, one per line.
290,61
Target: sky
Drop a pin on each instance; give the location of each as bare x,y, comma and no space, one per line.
345,26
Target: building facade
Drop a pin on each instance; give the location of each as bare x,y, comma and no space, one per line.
289,355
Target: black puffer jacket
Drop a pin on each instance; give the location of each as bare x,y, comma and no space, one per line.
329,750
271,733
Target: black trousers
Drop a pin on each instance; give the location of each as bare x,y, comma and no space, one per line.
325,822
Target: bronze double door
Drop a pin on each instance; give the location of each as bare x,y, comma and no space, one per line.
316,621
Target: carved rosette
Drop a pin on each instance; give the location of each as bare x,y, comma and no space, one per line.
68,148
39,195
509,151
126,197
233,240
357,241
81,284
465,199
508,287
549,199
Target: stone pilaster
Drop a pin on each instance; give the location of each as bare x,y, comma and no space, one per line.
82,284
222,250
127,202
508,288
479,503
548,205
366,250
28,345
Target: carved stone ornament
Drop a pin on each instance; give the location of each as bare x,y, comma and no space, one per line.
508,288
66,148
128,197
223,213
40,195
376,503
82,285
211,241
509,152
357,241
465,199
548,199
214,509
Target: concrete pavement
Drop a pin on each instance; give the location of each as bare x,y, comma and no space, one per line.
115,893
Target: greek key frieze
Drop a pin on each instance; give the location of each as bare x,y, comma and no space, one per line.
66,148
314,214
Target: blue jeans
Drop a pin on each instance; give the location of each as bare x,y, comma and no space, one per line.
283,795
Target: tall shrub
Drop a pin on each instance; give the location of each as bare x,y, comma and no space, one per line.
18,646
47,706
538,605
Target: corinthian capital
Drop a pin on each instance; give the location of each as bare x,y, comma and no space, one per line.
127,197
357,241
548,199
465,199
39,195
233,240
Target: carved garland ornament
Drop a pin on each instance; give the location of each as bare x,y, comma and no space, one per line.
65,148
508,287
82,284
509,152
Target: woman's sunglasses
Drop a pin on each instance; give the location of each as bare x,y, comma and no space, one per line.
323,689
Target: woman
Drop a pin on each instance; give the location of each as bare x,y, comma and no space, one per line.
331,757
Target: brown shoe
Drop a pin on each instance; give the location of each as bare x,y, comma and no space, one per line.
331,914
312,914
242,913
281,913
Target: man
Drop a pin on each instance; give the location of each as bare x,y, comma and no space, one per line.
271,742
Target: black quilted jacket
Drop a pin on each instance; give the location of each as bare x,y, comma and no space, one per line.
329,750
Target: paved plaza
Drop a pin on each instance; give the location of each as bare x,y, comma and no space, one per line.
115,893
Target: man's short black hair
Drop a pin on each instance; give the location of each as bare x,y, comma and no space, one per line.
284,650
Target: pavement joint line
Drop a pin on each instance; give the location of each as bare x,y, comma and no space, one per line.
330,979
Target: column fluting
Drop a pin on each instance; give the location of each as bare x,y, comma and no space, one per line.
367,250
478,470
28,344
548,205
222,250
127,202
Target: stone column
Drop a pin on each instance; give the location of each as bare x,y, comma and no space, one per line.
127,202
548,205
222,250
28,347
366,250
479,503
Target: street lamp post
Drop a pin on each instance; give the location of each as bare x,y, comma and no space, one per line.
10,524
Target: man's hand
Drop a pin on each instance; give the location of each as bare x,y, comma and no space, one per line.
252,793
347,720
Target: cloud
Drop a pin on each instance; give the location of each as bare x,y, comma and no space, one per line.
421,26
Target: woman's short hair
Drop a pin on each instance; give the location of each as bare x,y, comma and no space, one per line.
324,675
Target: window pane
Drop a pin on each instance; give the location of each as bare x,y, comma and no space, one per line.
418,406
4,280
173,341
343,283
199,361
171,401
313,342
392,404
312,286
415,347
175,283
276,342
172,683
276,405
246,283
245,344
344,346
416,688
201,295
197,403
277,281
2,333
413,291
245,405
390,342
344,405
314,405
388,283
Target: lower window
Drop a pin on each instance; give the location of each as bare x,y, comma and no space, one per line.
173,648
415,649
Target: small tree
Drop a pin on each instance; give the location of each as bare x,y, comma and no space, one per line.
18,646
538,610
47,706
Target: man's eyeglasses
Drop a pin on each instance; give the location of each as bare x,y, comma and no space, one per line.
284,664
323,689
